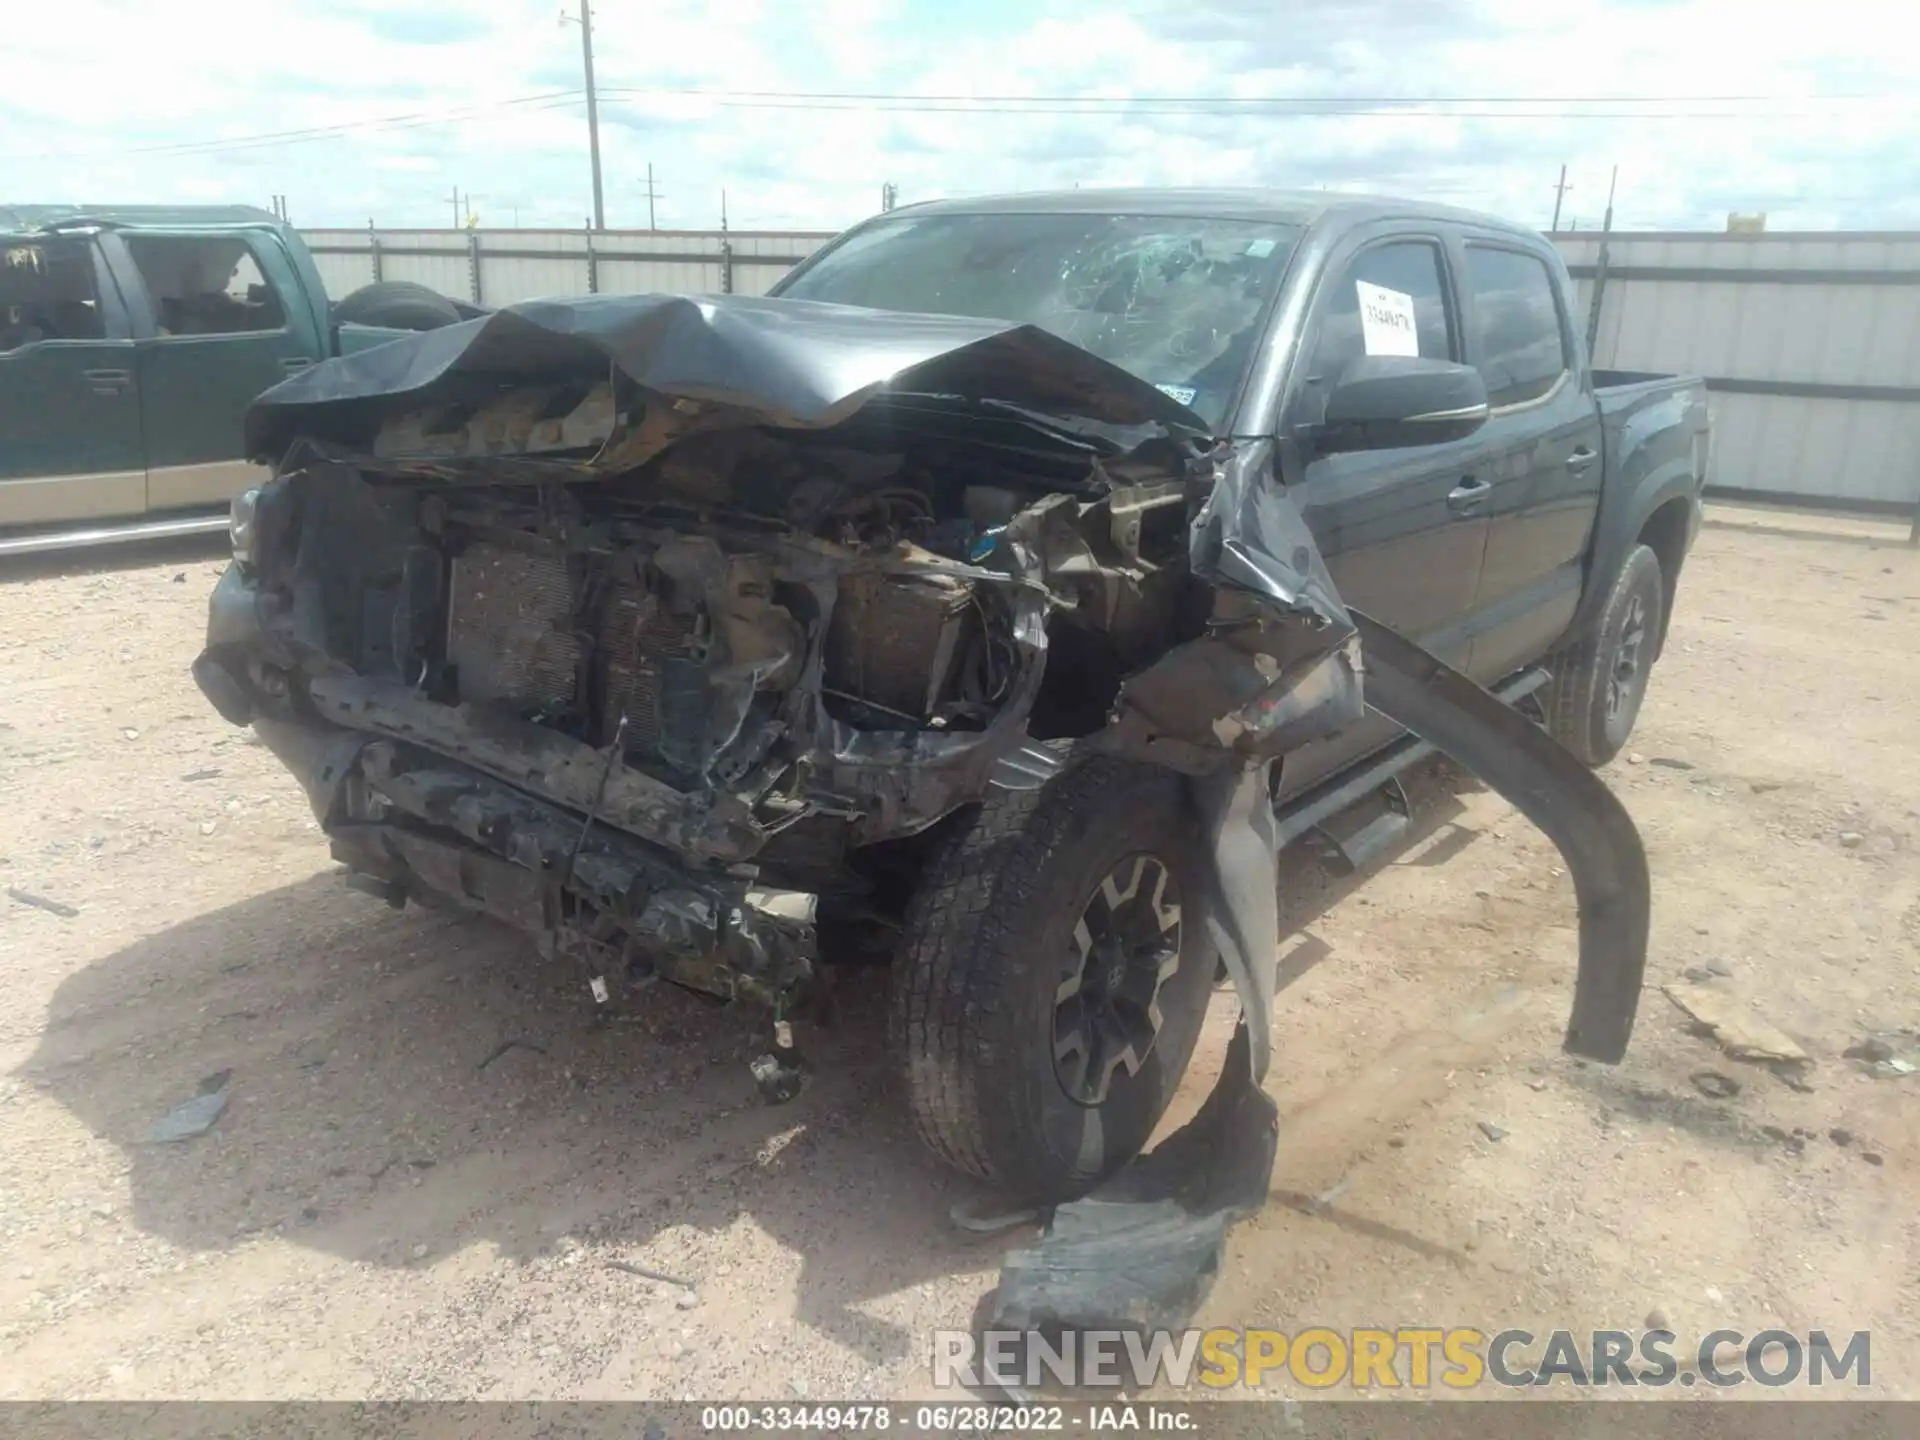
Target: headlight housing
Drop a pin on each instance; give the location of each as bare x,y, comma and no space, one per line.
242,533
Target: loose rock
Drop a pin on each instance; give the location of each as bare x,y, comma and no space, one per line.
1491,1130
1713,1084
191,1119
1743,1036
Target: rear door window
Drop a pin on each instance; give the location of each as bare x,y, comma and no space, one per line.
206,285
1519,341
48,292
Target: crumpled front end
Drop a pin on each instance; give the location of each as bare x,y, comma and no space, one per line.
616,617
615,620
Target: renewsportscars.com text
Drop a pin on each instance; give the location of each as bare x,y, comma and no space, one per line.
1409,1357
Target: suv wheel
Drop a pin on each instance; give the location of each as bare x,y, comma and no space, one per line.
1598,685
1053,976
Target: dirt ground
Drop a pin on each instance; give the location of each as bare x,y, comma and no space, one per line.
442,1172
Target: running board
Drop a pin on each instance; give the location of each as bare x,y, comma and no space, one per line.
1310,811
46,542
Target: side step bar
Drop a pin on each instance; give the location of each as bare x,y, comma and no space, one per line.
47,541
1309,811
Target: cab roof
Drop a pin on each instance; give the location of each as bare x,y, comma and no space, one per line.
1287,207
25,219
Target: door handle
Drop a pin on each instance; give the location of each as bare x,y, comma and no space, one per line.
297,362
1467,497
108,382
1582,458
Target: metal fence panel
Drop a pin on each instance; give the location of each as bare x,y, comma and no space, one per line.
1810,343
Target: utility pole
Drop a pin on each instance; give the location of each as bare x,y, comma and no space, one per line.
1600,268
1559,194
585,22
652,195
455,199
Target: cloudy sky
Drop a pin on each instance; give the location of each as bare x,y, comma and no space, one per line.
358,109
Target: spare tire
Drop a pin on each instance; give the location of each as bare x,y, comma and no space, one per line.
396,305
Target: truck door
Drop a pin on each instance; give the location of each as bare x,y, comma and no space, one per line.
70,445
1542,443
1402,531
224,329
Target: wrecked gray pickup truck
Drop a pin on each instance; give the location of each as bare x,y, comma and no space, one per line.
711,640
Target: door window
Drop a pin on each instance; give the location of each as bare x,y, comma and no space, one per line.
1366,310
206,285
47,292
1516,324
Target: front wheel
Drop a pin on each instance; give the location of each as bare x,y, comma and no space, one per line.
1053,976
1598,685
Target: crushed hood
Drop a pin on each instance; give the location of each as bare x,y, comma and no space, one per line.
797,364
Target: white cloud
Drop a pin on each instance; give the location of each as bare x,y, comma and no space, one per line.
96,89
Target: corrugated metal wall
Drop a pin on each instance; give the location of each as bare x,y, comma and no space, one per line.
497,267
1810,345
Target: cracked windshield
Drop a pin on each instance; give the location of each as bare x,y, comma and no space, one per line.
1176,301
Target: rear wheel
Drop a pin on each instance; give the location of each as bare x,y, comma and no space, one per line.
1052,978
1599,684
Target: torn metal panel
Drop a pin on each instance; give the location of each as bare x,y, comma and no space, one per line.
1142,1252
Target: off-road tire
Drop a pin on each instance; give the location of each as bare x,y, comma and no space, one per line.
396,305
988,940
1584,711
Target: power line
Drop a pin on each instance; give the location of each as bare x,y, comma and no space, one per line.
1399,110
1287,106
1278,106
1661,99
548,101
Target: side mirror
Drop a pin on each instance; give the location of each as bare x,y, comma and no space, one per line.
1387,402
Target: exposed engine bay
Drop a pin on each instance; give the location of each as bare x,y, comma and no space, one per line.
757,660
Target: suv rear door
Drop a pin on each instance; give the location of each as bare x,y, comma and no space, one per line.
1402,531
70,445
1542,446
223,323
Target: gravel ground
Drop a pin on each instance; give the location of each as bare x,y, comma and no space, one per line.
442,1173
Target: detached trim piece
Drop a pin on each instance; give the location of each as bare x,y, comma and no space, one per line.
1569,802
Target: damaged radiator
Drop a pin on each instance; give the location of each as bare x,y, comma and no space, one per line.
510,635
514,639
651,671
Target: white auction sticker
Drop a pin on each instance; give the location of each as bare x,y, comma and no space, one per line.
1386,321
